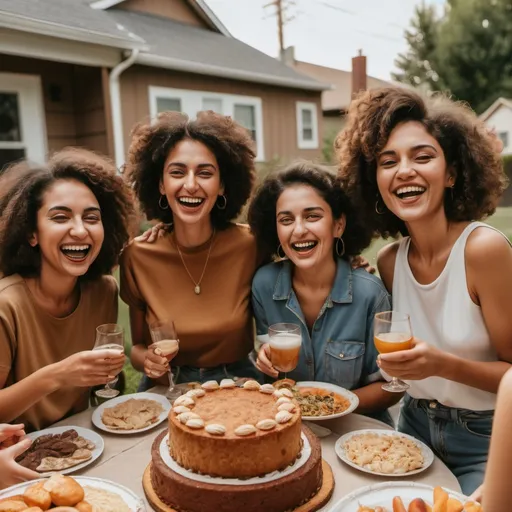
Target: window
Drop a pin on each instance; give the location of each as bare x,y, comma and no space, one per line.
504,138
246,110
307,125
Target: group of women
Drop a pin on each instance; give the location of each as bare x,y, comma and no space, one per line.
423,170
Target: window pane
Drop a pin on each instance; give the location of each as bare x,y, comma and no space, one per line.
10,155
214,104
307,118
504,138
246,116
166,104
10,130
307,133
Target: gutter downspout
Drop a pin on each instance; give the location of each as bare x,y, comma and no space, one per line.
115,106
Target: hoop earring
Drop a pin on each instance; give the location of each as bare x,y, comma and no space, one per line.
379,212
279,248
223,207
337,247
160,203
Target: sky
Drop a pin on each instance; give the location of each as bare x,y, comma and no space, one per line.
325,32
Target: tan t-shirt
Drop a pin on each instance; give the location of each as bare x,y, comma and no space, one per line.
214,327
30,339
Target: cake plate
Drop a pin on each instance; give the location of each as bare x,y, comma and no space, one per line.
315,503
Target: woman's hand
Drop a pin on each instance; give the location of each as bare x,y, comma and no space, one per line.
154,364
420,362
10,471
361,262
263,362
89,368
478,494
151,234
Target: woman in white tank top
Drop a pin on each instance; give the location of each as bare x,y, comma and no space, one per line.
427,169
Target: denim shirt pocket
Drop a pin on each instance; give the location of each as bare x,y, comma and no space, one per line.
344,362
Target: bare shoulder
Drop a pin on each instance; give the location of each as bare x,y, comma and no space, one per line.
386,258
485,245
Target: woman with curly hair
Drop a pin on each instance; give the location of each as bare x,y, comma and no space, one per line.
62,227
428,169
302,216
194,175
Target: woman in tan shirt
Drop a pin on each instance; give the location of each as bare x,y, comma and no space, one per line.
62,227
196,176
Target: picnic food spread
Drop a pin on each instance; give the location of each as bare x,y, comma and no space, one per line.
231,432
132,414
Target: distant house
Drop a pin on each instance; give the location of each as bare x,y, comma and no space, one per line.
84,72
499,117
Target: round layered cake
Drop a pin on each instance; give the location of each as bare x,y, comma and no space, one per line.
228,432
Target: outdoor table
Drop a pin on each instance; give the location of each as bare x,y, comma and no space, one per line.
126,456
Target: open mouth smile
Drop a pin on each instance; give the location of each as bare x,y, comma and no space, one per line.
77,252
191,202
304,246
409,191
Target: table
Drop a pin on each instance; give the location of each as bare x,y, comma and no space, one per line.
126,456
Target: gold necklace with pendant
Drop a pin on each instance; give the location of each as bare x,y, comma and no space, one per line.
197,288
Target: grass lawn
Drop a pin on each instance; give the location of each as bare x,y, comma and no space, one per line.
501,220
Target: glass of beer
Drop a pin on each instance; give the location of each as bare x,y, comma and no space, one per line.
392,332
285,341
166,344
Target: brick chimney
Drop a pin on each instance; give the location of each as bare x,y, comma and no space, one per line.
358,73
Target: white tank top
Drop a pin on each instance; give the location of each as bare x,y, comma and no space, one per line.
443,315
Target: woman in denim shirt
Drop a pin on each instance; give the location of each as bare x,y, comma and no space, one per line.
303,213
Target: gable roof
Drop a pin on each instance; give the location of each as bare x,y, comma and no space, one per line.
199,6
500,102
182,47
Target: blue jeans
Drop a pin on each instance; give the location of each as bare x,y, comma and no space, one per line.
459,437
182,374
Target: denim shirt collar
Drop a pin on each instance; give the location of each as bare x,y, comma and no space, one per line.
341,291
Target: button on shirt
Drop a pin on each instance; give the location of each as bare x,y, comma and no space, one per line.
340,348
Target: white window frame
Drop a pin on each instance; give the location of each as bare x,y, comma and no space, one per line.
192,103
503,135
312,107
31,112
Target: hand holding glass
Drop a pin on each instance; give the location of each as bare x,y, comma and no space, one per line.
285,341
166,344
109,337
391,333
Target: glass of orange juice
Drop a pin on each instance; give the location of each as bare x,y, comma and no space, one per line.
392,332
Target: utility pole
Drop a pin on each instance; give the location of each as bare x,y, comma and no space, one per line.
281,21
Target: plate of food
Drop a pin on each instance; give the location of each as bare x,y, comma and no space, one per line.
131,414
404,496
81,493
320,400
61,449
384,452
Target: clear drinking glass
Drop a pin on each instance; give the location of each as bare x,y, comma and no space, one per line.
109,337
165,340
285,341
392,332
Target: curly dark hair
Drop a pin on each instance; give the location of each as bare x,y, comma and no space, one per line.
262,209
464,139
230,142
23,188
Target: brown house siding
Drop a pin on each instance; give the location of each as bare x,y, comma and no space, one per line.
73,101
174,9
278,105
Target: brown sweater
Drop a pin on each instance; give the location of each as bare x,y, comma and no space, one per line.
214,327
31,339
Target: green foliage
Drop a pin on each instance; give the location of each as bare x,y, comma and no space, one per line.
328,148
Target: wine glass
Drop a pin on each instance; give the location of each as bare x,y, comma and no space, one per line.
285,341
391,333
166,344
109,337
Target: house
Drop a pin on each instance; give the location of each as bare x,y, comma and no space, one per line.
84,72
499,117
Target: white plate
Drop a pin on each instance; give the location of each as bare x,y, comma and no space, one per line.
129,497
97,414
86,433
428,455
382,494
345,393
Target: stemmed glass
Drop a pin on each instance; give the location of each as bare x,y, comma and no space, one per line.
285,341
109,337
392,332
166,344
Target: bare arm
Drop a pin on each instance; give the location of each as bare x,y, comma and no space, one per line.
372,398
386,264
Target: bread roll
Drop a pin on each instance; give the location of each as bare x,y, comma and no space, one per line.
66,492
12,506
37,496
83,506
